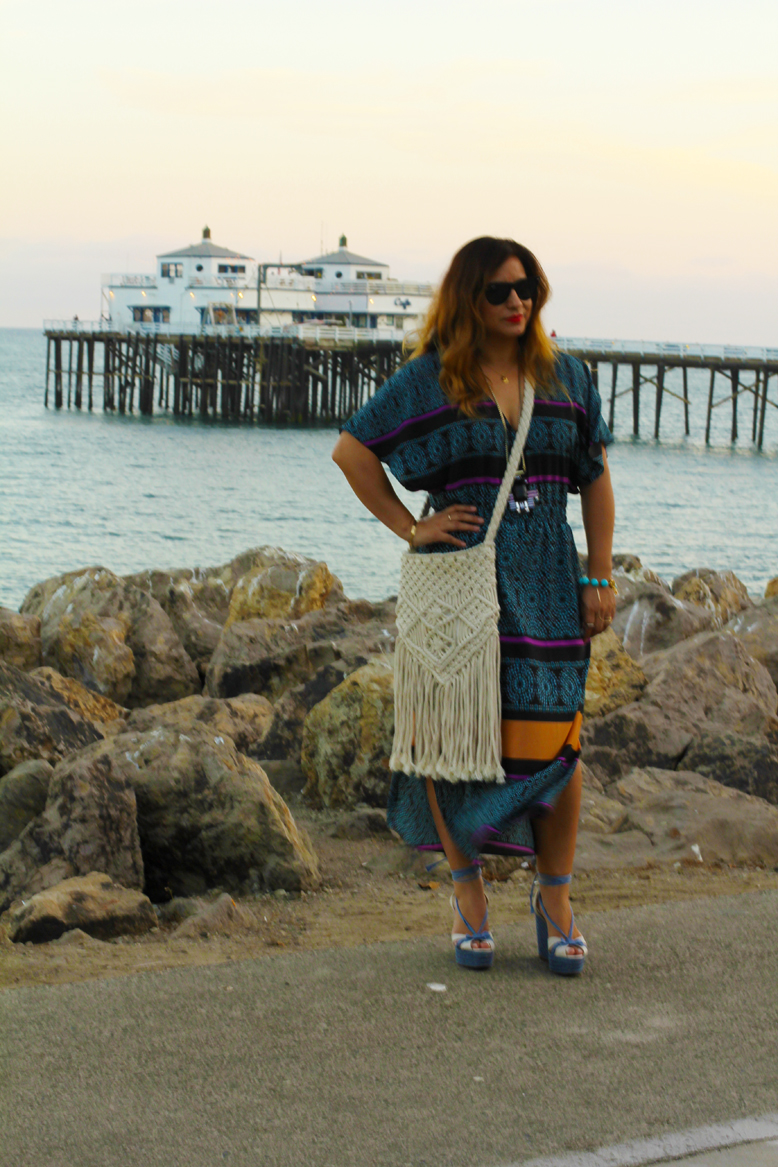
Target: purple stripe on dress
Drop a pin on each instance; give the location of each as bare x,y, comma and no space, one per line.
541,643
409,421
473,482
549,478
574,404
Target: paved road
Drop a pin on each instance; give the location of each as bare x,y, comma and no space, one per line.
341,1058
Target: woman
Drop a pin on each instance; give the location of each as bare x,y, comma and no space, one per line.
444,423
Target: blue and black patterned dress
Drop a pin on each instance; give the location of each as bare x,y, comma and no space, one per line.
430,446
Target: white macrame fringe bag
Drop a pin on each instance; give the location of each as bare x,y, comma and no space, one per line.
447,707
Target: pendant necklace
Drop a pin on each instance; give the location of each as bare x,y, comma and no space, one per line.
522,498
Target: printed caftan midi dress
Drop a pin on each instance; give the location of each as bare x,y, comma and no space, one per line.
428,445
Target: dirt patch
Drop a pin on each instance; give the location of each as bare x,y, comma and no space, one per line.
372,892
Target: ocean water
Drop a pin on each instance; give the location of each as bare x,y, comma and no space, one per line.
130,493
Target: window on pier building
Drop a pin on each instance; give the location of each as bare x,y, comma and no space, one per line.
151,315
232,269
368,275
172,271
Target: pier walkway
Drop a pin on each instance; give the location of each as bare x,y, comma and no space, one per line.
308,374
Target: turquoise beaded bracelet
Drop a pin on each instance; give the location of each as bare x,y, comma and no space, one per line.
584,581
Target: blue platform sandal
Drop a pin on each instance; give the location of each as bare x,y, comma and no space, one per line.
555,949
466,955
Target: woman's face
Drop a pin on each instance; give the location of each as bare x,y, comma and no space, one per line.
510,318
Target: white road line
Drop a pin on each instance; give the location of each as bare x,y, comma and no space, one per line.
665,1147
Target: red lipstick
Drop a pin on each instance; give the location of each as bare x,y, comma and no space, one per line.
515,319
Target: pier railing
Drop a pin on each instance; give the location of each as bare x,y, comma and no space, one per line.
315,333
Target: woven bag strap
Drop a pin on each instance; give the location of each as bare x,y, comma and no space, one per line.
513,461
510,469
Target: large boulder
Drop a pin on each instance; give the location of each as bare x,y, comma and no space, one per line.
347,740
111,636
720,593
285,736
269,656
94,903
771,589
614,678
747,762
650,618
101,711
23,794
207,814
283,592
198,600
708,680
678,810
89,824
757,630
20,639
36,721
245,719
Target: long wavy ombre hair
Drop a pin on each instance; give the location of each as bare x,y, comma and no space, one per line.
455,329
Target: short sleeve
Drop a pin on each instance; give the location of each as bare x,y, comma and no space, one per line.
400,412
593,435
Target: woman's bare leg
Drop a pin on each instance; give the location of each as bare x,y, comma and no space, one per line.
470,896
555,839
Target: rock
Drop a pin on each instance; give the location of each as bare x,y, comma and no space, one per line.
757,630
178,909
347,740
111,636
649,617
36,721
634,735
223,916
23,793
745,762
601,815
677,810
709,678
78,939
198,601
99,710
271,656
245,719
772,589
285,736
207,814
283,592
93,903
363,823
20,640
614,679
721,594
89,824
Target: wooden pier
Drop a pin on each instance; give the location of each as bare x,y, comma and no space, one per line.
316,374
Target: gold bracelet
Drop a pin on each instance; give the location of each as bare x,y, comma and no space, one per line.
412,535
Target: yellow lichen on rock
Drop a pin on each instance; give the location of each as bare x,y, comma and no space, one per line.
771,589
280,591
93,649
89,704
614,678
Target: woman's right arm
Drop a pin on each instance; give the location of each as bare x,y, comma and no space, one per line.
367,478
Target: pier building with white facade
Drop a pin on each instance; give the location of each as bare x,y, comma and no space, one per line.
203,286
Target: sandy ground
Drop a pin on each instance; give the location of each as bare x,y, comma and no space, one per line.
373,890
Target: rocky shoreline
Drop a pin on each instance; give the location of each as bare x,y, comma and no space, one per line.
170,737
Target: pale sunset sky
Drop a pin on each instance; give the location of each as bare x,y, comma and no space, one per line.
632,146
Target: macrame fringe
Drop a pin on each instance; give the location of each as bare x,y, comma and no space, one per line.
449,730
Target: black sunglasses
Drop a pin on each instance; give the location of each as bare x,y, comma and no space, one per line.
525,289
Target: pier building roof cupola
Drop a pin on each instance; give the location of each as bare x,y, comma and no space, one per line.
344,265
204,249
